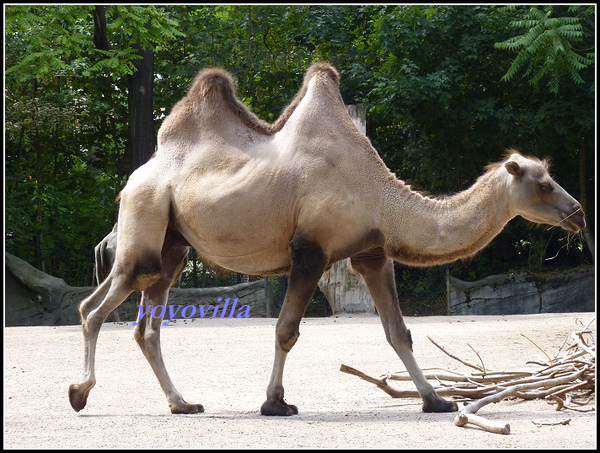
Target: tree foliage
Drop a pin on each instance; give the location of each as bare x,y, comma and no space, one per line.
547,48
435,79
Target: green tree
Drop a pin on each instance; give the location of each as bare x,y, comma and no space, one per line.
558,45
65,134
548,49
439,113
432,78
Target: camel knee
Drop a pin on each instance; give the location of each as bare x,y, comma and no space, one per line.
91,315
399,338
85,308
286,338
139,333
147,341
91,324
145,336
94,300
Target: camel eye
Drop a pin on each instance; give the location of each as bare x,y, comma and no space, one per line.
546,188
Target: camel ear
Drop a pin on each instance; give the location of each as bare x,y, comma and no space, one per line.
514,168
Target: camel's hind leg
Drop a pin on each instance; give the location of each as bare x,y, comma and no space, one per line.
143,220
94,310
308,263
147,331
378,273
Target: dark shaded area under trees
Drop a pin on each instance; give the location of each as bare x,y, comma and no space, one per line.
444,99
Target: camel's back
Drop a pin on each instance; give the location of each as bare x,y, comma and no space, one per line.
212,136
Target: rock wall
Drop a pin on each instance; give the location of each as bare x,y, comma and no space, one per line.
251,294
33,298
346,291
523,293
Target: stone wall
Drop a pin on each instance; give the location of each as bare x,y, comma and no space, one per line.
250,293
346,291
33,298
524,293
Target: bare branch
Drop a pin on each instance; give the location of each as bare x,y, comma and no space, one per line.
560,382
456,358
533,342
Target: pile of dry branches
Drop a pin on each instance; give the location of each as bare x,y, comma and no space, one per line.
566,380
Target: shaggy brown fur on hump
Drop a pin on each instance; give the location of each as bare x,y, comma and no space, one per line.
217,81
322,70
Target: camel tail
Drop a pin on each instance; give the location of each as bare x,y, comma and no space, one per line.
98,278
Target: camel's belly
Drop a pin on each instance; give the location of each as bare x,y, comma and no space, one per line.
258,264
266,255
245,226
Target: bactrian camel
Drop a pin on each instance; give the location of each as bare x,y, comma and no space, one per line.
291,198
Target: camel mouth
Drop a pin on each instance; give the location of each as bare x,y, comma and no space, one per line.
573,222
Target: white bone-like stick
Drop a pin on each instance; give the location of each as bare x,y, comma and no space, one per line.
467,414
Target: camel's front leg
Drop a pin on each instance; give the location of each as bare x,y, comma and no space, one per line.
378,273
308,263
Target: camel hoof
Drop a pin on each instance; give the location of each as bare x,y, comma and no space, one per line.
438,404
186,408
278,407
77,397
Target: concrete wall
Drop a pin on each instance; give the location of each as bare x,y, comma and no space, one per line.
345,291
523,293
33,298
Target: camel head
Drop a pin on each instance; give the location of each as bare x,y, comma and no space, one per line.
538,198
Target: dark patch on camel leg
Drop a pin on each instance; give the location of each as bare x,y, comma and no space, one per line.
308,263
146,272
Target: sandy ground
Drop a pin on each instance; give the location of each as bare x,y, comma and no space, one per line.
225,365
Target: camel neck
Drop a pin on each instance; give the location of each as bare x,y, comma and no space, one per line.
428,231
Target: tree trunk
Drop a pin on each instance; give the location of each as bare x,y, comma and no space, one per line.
100,37
358,114
141,138
345,291
108,126
39,188
587,234
36,298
